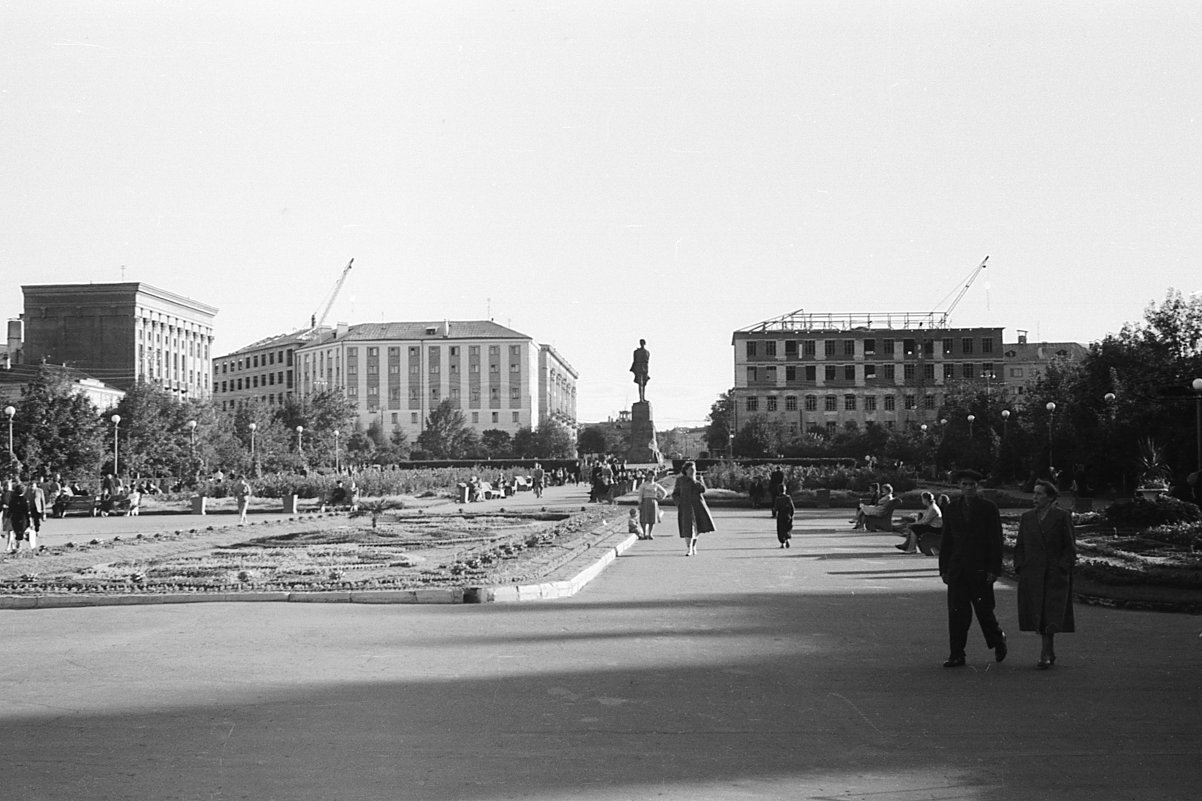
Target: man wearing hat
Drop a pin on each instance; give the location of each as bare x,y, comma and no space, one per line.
970,561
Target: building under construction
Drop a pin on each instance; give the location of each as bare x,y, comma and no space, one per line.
822,372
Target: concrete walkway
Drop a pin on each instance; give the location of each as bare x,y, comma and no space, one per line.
746,672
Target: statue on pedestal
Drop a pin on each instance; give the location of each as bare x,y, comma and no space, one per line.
640,367
643,447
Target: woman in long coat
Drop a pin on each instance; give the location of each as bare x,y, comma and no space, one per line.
692,514
1044,555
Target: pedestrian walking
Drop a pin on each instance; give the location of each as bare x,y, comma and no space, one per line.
242,493
6,520
692,514
18,515
1044,554
650,494
537,477
970,561
35,499
783,510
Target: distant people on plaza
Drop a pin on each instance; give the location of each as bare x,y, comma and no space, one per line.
928,523
537,477
692,514
776,485
242,494
35,499
134,497
18,517
755,490
970,561
783,510
650,494
1044,554
109,492
6,519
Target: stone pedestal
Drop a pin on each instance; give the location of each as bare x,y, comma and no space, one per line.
643,447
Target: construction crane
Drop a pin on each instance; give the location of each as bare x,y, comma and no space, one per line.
960,296
315,321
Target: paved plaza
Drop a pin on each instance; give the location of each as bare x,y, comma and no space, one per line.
746,672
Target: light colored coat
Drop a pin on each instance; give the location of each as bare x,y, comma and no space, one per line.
1044,554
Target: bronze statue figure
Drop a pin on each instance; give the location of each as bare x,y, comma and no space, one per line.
640,365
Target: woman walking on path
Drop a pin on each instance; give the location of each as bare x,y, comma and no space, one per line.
1044,554
650,494
18,515
692,513
782,510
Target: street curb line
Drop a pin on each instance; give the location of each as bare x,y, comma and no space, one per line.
434,595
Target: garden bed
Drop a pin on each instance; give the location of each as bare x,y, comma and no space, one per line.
1121,566
408,550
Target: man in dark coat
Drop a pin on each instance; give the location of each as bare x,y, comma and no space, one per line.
970,561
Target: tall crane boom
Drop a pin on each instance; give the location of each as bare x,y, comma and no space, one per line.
963,290
317,321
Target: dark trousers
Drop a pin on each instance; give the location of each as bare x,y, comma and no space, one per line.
963,598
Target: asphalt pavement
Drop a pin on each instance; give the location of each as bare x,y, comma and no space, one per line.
745,672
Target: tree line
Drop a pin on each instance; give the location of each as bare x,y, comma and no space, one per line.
57,429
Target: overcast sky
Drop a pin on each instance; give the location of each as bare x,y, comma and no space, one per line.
593,173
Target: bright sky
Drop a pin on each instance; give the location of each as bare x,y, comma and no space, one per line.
593,173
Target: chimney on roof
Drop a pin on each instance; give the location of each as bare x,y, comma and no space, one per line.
446,328
1022,337
342,329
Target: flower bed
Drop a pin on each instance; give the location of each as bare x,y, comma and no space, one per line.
409,552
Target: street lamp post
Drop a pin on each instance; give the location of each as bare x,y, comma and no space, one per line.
1109,399
300,430
1005,421
252,428
1051,407
10,411
971,418
192,438
335,450
1197,385
116,424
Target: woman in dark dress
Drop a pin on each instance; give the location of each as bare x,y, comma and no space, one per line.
1044,554
783,510
692,513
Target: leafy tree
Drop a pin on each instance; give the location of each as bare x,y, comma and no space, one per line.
592,440
154,434
57,429
525,444
447,434
320,415
721,423
496,443
761,437
554,441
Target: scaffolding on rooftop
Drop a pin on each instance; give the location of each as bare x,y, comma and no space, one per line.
801,320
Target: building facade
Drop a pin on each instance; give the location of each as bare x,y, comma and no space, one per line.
820,373
1027,361
122,333
397,373
263,371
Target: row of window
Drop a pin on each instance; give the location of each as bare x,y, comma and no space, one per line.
830,403
256,381
254,362
768,374
847,347
394,393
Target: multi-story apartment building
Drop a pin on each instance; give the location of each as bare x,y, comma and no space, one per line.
822,372
1027,361
399,372
262,371
122,333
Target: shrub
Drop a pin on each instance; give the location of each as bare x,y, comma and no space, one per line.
1187,535
734,476
1147,512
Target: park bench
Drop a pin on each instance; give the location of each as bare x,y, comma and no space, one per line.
884,520
92,504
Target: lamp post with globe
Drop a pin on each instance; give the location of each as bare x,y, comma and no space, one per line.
116,425
10,412
1051,407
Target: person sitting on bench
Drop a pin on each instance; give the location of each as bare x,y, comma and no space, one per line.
878,516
